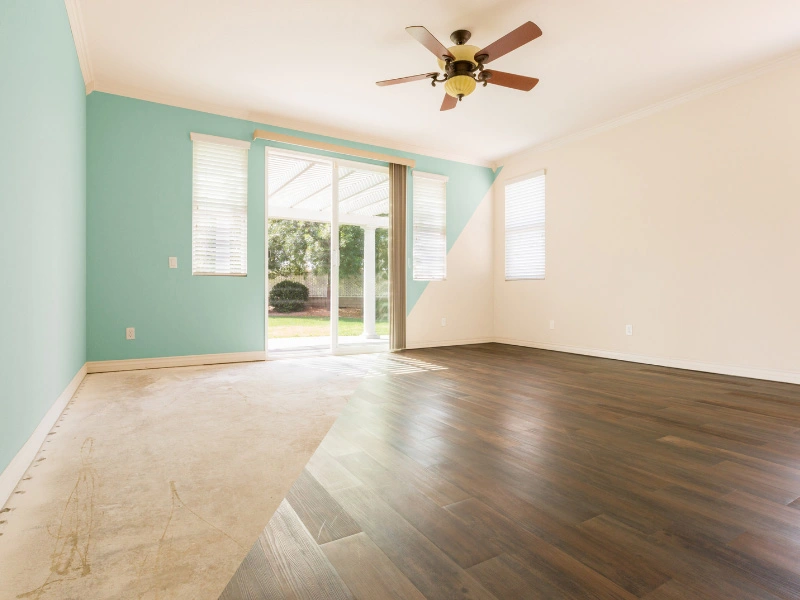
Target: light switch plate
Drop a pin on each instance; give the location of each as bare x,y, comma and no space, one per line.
173,262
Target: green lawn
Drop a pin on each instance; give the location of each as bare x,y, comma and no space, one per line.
288,326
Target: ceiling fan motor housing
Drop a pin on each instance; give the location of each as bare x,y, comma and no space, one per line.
460,36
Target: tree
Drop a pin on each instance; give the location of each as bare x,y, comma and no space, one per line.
351,251
382,253
301,247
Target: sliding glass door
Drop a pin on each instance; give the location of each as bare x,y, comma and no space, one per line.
328,225
363,255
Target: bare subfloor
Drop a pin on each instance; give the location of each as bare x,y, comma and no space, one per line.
155,484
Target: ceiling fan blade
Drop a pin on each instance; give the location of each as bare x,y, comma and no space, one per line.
425,37
449,102
511,41
509,80
405,79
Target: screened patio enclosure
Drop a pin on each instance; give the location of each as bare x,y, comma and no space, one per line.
343,207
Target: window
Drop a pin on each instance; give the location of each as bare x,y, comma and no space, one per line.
430,227
525,227
219,206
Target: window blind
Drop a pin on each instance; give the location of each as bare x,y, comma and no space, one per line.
525,242
219,206
429,226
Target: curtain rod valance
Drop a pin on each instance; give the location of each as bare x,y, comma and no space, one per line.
260,134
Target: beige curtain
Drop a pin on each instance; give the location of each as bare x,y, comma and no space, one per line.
397,258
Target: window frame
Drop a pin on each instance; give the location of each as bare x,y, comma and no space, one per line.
521,229
434,177
230,143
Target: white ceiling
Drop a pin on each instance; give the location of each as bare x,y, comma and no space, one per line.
314,63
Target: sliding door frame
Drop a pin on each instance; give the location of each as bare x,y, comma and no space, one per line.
333,220
334,305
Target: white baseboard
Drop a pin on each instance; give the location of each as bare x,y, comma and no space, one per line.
134,364
676,363
440,343
12,474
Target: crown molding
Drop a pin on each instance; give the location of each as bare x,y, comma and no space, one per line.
81,46
259,118
699,92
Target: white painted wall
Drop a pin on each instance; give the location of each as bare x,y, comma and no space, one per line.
465,298
685,224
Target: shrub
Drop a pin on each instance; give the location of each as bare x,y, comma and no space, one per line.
288,296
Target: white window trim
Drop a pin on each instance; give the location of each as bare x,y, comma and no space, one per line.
222,141
435,177
506,183
519,178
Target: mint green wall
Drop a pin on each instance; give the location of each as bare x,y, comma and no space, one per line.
42,215
139,198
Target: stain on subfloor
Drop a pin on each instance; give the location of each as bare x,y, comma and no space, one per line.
70,556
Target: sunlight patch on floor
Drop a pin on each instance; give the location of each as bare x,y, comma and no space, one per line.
375,365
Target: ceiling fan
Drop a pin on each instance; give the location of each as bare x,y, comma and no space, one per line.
463,65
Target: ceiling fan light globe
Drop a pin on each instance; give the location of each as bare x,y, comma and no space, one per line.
460,85
464,52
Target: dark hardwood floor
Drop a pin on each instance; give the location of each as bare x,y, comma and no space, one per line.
519,473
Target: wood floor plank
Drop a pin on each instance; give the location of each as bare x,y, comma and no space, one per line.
336,445
325,469
785,472
768,518
506,577
521,489
545,561
691,567
301,568
254,579
367,571
753,481
319,512
425,565
769,576
699,589
366,469
783,553
465,546
438,489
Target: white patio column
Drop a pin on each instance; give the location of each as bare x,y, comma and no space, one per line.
369,283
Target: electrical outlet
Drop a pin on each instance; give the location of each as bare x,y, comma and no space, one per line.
628,329
444,321
130,333
552,324
173,262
